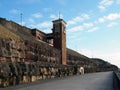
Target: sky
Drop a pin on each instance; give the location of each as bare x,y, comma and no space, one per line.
92,25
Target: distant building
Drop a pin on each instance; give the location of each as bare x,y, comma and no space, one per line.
57,38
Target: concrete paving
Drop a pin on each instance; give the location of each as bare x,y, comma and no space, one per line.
94,81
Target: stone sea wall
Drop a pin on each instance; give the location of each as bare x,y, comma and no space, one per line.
28,61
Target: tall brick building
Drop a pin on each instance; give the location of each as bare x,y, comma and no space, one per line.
57,38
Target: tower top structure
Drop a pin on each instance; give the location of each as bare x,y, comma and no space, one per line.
59,35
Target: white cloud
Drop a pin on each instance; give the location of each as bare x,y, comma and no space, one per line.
105,4
82,27
85,52
78,19
53,16
113,57
101,20
31,20
37,15
85,16
87,25
14,11
47,31
76,28
31,26
71,37
74,20
47,9
112,16
112,24
62,2
23,23
71,22
93,29
46,24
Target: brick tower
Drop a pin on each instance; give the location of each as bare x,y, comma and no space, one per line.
59,38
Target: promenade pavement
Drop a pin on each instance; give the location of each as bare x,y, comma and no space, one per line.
93,81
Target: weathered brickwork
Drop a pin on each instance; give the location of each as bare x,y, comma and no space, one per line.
13,51
23,62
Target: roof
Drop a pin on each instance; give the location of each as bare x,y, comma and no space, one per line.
35,29
59,20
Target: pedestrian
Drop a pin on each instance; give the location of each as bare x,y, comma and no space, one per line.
81,70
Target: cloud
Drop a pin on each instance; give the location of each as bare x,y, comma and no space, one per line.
85,16
101,20
112,57
93,29
105,4
47,31
37,15
76,28
87,25
46,24
74,21
71,37
62,2
23,23
78,19
112,24
71,22
82,27
31,20
112,16
47,9
14,11
85,52
53,16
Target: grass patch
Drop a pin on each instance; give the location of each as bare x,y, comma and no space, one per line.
6,34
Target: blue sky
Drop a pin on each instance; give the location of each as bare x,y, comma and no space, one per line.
92,25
